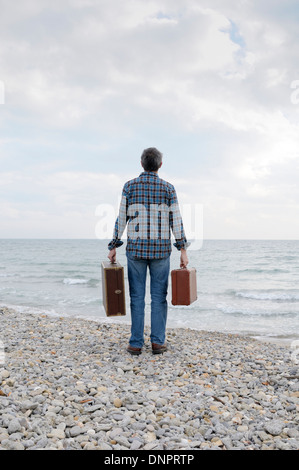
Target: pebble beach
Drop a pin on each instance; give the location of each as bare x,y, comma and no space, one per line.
69,384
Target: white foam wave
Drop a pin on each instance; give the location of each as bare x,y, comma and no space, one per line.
251,312
282,296
8,274
33,310
71,281
233,310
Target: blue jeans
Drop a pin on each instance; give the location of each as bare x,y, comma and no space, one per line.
159,272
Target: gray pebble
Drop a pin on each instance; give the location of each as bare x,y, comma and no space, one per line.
274,427
14,426
77,388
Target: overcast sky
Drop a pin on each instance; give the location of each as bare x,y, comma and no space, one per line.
86,85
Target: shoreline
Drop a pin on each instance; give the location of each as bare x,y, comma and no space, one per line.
281,340
68,383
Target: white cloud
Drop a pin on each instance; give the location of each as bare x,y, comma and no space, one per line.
152,71
57,204
105,53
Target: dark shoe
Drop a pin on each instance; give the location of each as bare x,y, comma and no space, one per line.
134,351
158,348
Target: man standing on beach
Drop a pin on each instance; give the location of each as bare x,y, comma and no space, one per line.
149,206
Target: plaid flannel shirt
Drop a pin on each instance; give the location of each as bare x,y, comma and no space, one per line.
149,208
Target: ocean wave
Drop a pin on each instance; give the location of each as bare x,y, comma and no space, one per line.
273,296
8,275
72,281
261,271
236,310
33,310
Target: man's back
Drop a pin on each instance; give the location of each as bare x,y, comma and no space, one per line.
149,207
149,188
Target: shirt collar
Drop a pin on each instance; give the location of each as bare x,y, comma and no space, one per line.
152,173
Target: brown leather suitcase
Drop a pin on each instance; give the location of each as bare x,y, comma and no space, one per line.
184,286
113,286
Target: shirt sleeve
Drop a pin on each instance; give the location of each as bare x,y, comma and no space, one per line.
121,222
176,223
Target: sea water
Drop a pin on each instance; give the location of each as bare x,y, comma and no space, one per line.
243,286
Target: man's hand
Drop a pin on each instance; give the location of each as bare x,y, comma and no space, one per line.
112,255
184,258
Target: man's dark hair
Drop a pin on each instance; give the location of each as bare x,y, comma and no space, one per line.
151,159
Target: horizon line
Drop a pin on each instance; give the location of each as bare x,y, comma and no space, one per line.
108,239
